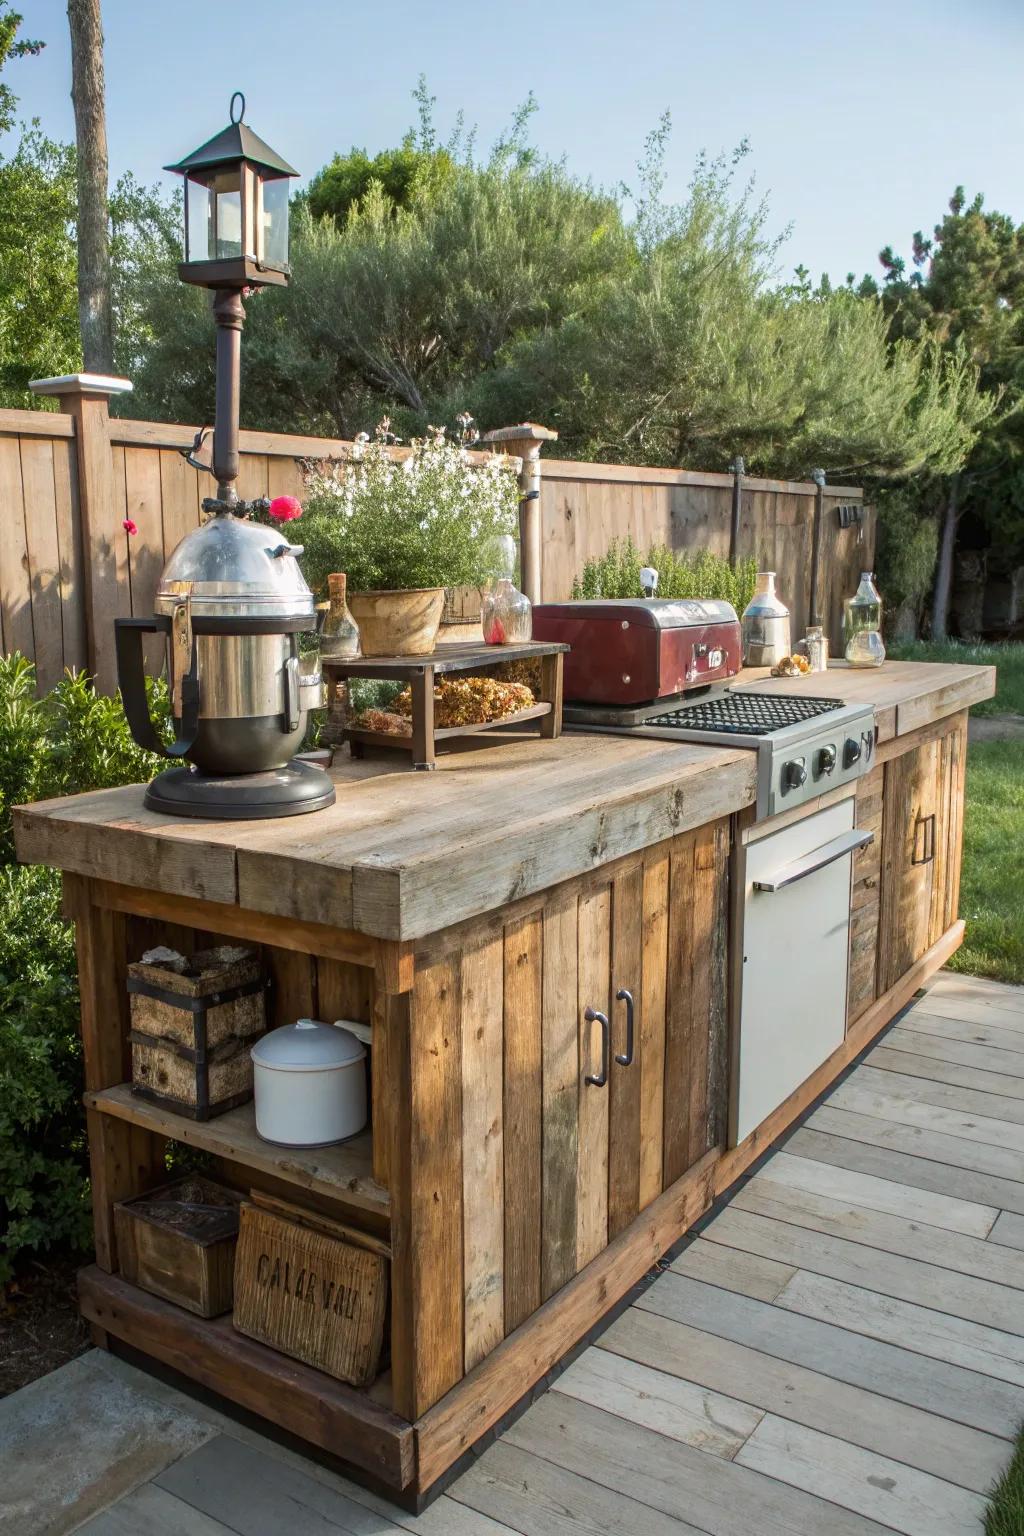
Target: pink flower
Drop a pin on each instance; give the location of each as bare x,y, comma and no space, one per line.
130,526
285,509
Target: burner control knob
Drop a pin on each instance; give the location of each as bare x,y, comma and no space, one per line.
827,759
851,752
794,774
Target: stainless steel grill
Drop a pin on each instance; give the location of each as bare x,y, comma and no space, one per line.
744,714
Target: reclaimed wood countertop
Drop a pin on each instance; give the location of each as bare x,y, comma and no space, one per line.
404,854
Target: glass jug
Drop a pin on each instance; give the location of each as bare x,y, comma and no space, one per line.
862,625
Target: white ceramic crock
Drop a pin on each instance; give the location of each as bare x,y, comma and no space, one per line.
309,1082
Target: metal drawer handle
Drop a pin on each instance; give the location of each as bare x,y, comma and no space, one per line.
927,823
811,862
598,1079
622,996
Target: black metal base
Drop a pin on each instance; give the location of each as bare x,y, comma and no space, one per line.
289,791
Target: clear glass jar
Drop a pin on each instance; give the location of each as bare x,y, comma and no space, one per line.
862,625
506,614
339,636
817,648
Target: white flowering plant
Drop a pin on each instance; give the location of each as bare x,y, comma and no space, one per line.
433,518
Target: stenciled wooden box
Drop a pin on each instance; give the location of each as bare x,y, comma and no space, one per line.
193,1028
303,1286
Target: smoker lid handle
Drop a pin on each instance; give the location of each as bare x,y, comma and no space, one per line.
799,869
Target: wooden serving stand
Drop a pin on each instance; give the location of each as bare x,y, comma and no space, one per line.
420,671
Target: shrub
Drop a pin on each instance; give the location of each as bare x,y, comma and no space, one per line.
617,574
73,739
431,520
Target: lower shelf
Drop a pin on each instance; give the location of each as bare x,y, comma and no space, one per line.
337,1418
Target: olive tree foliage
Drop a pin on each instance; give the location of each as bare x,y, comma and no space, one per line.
698,354
393,305
427,281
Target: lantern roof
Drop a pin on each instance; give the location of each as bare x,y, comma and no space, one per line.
235,142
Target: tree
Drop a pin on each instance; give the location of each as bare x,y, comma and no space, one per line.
87,93
964,291
12,47
38,316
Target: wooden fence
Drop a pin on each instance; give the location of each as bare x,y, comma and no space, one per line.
69,479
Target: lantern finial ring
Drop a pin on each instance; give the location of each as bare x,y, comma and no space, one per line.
241,111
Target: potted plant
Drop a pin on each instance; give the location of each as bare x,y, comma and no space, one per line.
405,528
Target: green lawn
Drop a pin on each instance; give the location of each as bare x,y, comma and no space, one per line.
992,887
1005,1516
1008,658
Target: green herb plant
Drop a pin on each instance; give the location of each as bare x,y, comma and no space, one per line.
703,574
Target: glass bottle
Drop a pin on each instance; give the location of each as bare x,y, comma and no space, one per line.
506,614
765,624
339,637
862,624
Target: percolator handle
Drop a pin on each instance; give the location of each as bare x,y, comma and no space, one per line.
131,679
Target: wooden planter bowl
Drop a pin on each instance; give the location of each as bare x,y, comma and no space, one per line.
403,623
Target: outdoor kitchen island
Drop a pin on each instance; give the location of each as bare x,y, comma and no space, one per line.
526,1163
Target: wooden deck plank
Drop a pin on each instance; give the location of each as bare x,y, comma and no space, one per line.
915,1503
919,1438
981,1107
539,1498
153,1510
733,1268
661,1401
921,1141
956,1075
893,1235
965,1053
1001,1036
906,1168
718,1496
878,1194
966,1396
882,1098
989,1014
941,1335
1008,1230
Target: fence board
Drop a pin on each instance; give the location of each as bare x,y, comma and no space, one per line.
43,558
15,589
69,550
583,508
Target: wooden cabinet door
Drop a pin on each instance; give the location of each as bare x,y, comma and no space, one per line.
922,825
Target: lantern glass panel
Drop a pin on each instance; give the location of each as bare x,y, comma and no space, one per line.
198,221
273,232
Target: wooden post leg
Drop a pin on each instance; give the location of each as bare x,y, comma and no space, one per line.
551,693
124,1160
422,687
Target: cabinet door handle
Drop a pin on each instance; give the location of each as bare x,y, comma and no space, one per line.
622,996
598,1079
927,826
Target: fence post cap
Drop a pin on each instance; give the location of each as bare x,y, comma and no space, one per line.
81,384
526,431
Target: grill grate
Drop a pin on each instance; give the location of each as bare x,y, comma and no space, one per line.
745,714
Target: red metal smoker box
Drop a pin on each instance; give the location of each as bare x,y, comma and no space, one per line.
637,650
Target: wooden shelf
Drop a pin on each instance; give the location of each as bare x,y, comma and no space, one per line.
338,1418
343,1173
443,732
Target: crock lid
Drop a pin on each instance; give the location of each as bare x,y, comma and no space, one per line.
308,1045
233,567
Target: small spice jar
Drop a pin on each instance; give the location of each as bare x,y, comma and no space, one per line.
817,648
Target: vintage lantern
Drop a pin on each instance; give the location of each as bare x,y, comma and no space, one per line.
236,209
232,603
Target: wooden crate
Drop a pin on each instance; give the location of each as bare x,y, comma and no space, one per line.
306,1290
192,1032
179,1243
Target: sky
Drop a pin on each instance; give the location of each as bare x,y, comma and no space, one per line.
862,117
